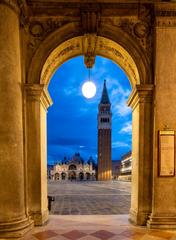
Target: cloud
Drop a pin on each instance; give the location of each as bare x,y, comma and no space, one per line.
118,96
120,91
122,109
65,141
70,91
127,128
99,72
119,144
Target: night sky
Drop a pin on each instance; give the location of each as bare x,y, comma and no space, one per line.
72,119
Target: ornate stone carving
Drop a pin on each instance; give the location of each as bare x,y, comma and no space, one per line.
141,29
166,22
110,49
117,53
60,54
161,13
89,42
90,18
165,17
36,29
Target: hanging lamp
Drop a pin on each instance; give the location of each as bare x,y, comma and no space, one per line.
89,88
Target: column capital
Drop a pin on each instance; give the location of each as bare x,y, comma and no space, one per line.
39,93
13,4
140,94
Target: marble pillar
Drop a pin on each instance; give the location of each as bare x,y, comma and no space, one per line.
14,219
37,102
141,101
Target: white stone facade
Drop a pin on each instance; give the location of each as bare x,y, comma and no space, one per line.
126,167
73,169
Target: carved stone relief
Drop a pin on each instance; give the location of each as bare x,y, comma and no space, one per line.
138,27
166,22
40,29
104,47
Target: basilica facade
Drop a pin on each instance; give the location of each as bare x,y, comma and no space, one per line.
73,169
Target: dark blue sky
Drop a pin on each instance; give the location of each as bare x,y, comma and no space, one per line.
72,119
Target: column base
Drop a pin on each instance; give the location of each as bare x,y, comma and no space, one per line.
15,229
138,218
40,218
161,222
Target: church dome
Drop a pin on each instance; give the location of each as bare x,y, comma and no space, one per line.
77,159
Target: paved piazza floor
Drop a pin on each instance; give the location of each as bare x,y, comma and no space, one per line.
93,198
86,198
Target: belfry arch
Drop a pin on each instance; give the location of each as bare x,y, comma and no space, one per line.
134,62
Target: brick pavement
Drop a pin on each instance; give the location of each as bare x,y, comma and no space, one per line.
90,198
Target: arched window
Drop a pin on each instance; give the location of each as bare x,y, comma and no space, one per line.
72,167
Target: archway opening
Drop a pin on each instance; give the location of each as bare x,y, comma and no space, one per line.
73,136
135,64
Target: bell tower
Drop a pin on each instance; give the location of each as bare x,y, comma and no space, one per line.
104,137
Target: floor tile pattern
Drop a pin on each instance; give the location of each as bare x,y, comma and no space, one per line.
103,234
74,235
45,234
107,227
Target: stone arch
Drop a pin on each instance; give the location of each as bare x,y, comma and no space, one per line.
56,176
63,175
81,176
72,167
117,45
112,43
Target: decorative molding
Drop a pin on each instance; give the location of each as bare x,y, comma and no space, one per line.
40,29
39,93
161,222
60,55
90,18
165,22
139,29
36,29
141,94
100,45
165,13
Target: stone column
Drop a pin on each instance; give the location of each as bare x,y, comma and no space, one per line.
142,125
37,102
14,220
164,194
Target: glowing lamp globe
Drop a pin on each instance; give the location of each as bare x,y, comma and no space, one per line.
89,89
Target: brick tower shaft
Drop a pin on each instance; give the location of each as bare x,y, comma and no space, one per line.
104,137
